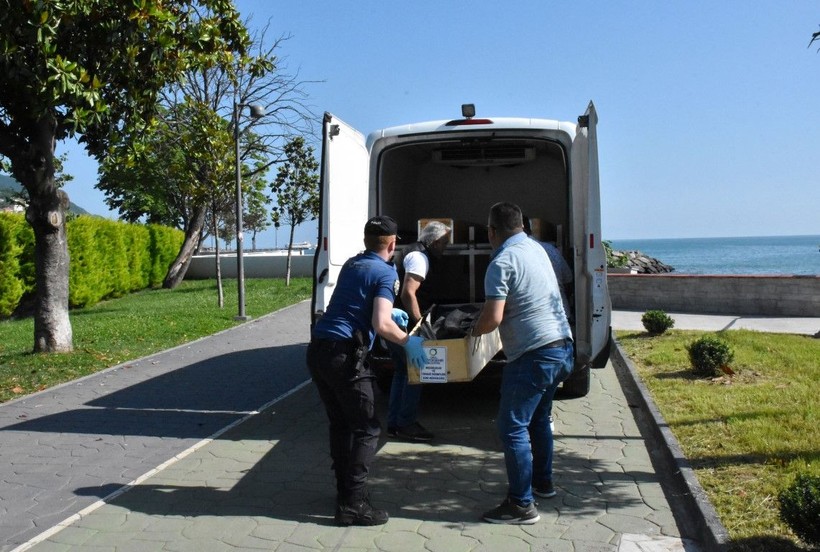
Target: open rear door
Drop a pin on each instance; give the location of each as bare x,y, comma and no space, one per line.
344,205
593,310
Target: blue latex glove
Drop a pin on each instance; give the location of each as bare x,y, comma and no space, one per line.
400,318
415,352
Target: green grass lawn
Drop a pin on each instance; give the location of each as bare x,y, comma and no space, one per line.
746,436
134,326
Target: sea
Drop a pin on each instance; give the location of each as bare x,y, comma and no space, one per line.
766,255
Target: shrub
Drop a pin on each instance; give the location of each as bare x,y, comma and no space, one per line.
800,508
108,259
656,321
612,260
11,286
708,354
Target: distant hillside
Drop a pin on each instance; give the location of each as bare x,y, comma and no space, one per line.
10,187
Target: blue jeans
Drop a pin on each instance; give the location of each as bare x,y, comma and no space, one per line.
403,404
528,386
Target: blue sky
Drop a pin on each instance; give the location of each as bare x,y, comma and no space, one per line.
709,111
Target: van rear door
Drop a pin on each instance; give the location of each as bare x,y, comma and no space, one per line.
344,205
592,320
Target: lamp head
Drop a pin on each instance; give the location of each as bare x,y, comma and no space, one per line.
257,111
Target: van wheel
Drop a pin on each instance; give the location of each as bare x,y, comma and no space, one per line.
576,385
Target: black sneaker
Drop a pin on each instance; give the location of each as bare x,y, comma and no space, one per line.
511,513
414,432
544,491
359,513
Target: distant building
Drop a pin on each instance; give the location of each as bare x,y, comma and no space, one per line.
6,207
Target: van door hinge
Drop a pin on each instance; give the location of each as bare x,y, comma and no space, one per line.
334,130
583,121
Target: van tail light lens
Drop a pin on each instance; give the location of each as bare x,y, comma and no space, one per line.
463,122
592,241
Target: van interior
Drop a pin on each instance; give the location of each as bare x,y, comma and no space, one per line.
457,182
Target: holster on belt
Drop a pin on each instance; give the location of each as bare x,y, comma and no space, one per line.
361,346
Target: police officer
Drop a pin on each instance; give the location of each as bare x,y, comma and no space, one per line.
361,306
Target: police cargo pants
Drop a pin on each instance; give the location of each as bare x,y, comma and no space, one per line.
345,385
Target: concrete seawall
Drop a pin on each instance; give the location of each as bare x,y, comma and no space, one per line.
256,264
717,294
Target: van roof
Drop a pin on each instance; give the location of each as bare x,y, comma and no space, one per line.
474,124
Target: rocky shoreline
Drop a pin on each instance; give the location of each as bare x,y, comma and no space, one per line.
639,263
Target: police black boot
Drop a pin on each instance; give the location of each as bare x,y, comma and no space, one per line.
359,511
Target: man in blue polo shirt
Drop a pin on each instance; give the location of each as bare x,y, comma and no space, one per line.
360,308
522,299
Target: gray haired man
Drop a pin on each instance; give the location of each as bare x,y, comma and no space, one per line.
415,297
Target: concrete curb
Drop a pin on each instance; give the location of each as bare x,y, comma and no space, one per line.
698,510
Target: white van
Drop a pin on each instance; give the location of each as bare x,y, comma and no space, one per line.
455,171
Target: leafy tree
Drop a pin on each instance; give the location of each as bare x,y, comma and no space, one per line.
296,189
198,129
256,218
181,170
92,69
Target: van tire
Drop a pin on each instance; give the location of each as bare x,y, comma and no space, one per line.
576,385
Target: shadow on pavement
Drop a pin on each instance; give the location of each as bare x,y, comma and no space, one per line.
193,401
276,466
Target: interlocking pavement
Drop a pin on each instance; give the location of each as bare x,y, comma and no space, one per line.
247,468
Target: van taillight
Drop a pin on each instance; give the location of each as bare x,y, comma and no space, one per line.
324,243
592,241
461,122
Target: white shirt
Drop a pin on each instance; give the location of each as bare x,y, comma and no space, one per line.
416,263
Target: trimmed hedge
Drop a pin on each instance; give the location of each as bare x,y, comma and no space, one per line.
108,259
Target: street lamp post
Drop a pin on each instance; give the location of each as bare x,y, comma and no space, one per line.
256,112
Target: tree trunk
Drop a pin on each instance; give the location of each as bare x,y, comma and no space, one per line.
220,294
290,252
177,270
46,213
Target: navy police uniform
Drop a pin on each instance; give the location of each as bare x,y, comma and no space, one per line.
336,360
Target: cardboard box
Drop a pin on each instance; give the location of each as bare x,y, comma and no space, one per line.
452,360
460,229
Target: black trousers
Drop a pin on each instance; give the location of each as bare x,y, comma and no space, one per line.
345,385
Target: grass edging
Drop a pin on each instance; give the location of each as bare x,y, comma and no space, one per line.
701,513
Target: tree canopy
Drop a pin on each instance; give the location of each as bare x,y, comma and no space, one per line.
91,69
185,163
296,190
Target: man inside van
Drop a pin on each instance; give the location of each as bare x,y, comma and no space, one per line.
415,298
563,272
360,308
523,301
